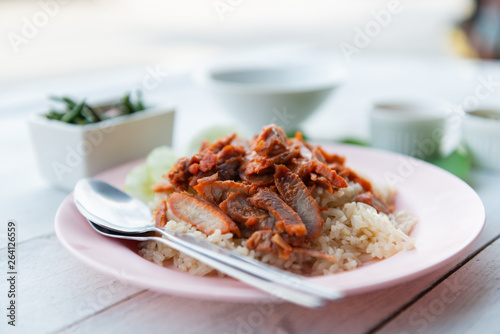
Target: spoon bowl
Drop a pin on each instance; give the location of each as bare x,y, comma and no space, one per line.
116,209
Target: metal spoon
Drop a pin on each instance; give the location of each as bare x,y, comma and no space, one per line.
118,212
272,288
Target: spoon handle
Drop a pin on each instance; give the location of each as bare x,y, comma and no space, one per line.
272,288
251,266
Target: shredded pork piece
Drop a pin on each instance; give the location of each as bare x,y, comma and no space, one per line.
261,242
286,219
314,253
295,193
375,201
201,214
271,141
248,217
217,191
161,215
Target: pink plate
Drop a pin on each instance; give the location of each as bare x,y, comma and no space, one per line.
450,214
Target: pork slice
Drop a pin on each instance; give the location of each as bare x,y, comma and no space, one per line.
219,144
336,180
256,163
318,173
250,218
322,182
269,242
282,246
231,151
348,173
261,241
162,187
302,167
161,214
324,156
201,214
229,160
286,219
179,174
314,253
271,141
295,193
264,179
299,138
211,178
229,168
375,201
217,191
208,161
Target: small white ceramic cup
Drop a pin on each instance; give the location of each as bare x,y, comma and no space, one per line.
481,133
414,128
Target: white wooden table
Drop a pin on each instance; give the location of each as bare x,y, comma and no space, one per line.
56,293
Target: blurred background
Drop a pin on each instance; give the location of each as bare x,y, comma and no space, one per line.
51,37
101,48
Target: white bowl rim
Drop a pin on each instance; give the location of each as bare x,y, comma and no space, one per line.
438,108
483,120
205,78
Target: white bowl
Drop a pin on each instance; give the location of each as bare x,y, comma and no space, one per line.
281,94
410,127
65,153
482,136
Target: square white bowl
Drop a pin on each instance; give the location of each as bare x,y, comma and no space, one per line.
66,153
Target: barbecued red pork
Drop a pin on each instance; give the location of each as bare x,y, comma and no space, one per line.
375,201
261,190
286,219
295,193
201,214
248,217
217,191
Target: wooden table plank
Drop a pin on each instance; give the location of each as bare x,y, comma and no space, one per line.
54,289
486,183
355,314
468,301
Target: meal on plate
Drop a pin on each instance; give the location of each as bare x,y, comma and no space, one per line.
280,200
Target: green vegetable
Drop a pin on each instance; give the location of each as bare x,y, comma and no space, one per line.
91,114
53,114
160,161
72,114
139,180
128,107
354,141
457,163
138,183
81,113
139,105
64,99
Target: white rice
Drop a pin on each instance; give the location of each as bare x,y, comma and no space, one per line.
354,233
